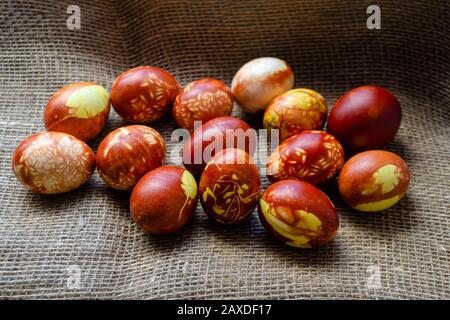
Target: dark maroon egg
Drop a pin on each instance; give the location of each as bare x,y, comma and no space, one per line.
365,118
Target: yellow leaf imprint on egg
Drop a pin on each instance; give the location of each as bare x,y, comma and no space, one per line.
388,177
308,220
378,205
88,101
189,185
289,232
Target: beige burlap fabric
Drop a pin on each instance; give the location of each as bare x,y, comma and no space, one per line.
330,49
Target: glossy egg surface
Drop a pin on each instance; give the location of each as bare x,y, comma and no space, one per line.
373,180
229,186
143,94
312,156
202,100
298,214
295,111
164,200
80,109
259,81
365,118
128,153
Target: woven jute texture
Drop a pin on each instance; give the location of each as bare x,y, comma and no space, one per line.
44,240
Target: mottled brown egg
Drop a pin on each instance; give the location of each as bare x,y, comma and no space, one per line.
373,180
80,109
164,200
53,162
365,118
259,81
295,111
229,186
127,154
298,214
202,100
143,94
312,156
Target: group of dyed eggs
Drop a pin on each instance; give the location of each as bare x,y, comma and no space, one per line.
163,198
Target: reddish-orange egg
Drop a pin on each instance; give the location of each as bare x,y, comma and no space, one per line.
143,94
53,162
259,81
229,186
80,109
295,111
298,214
164,200
365,118
213,136
312,156
202,100
373,180
128,153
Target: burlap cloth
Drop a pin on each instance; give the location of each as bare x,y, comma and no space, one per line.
330,49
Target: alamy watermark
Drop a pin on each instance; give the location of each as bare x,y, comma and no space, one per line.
258,143
374,279
74,277
73,22
374,20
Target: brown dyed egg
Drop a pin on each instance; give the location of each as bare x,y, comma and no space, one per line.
373,180
312,156
164,200
295,111
80,109
53,162
202,100
259,81
229,186
143,94
298,214
365,118
128,153
213,136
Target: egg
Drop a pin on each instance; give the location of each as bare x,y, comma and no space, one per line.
298,214
313,156
365,118
164,200
295,111
259,81
229,186
53,162
213,136
202,100
144,94
373,180
79,109
128,153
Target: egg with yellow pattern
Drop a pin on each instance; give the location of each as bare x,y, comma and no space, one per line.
80,109
298,214
229,186
295,111
373,180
